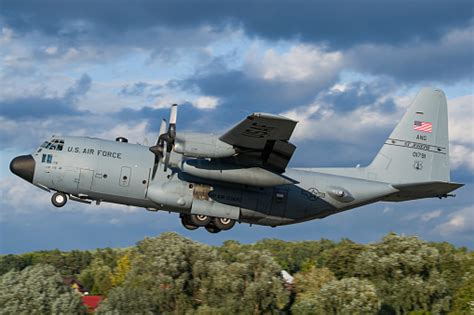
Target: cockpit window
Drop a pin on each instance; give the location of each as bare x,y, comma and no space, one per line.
55,144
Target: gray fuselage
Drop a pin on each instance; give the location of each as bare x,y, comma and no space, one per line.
125,173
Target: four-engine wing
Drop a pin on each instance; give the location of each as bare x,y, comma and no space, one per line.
262,139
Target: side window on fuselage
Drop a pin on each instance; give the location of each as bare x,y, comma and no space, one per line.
47,158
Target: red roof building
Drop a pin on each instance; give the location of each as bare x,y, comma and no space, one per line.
91,302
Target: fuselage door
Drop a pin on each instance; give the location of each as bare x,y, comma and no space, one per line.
85,179
279,200
125,176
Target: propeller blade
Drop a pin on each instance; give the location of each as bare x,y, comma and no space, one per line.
170,135
157,150
162,127
173,114
167,160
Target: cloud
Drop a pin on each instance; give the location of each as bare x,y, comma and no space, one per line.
340,23
459,222
206,102
427,216
255,86
139,89
461,119
40,106
353,112
342,69
461,156
440,60
80,88
300,63
461,132
423,216
13,189
134,133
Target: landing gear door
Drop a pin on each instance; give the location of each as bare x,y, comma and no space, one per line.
125,175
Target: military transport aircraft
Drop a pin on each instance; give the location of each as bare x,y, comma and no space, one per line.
213,181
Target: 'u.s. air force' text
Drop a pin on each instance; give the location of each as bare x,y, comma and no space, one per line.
103,153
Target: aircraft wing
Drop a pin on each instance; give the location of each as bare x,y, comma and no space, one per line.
262,139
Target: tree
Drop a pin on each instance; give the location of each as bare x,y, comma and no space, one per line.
307,284
120,272
342,258
293,256
37,289
463,299
97,277
14,262
406,272
346,296
171,273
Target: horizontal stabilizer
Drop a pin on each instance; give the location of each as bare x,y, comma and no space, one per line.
422,190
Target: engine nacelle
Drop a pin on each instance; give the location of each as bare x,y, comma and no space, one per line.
252,176
202,146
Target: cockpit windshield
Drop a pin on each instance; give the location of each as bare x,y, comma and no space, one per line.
54,144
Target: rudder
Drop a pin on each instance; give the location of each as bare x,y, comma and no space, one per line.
418,148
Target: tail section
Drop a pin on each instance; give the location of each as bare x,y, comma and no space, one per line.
418,148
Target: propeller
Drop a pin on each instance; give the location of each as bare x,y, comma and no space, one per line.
165,142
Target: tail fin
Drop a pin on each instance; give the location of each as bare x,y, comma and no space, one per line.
418,148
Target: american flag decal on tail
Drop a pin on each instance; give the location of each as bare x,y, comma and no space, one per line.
423,126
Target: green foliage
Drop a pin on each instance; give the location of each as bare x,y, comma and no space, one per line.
97,277
406,272
308,283
174,274
67,263
293,256
37,289
346,296
463,300
342,258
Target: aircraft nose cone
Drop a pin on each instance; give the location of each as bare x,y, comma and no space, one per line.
23,166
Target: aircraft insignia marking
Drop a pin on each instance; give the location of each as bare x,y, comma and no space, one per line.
313,194
418,165
423,126
416,145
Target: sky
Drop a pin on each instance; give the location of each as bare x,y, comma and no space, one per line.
345,70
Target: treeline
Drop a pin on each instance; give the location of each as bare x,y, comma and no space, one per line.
173,274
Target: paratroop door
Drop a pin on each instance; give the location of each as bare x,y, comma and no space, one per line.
85,179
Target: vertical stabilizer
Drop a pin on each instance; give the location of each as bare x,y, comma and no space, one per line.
418,148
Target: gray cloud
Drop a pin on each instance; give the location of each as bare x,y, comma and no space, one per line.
340,23
151,91
241,92
41,106
356,94
444,60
